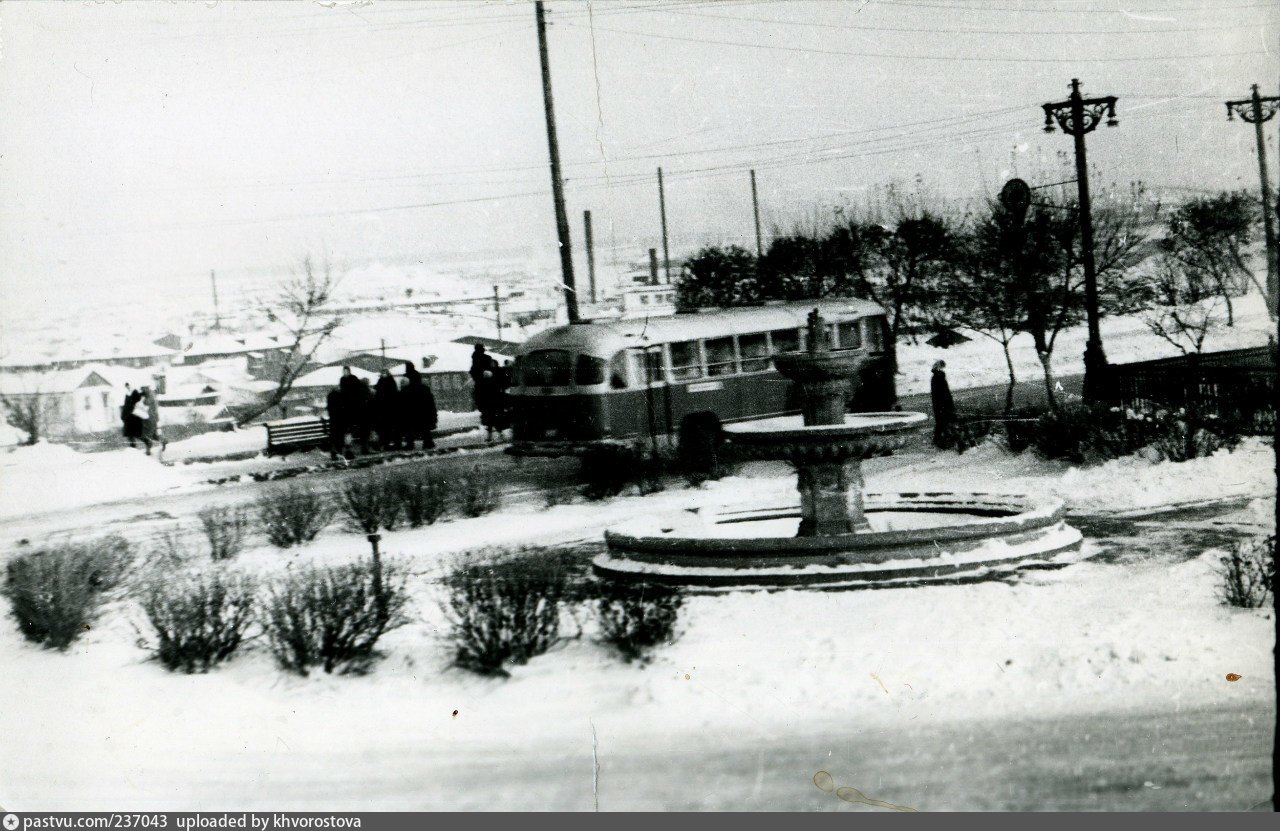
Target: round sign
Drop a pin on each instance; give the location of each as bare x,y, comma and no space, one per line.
1016,196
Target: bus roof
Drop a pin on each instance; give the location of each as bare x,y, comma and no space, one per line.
605,337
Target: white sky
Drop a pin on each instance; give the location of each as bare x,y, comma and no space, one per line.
144,144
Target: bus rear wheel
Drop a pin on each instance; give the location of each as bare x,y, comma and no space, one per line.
699,447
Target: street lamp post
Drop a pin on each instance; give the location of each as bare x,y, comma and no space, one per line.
1256,111
1076,116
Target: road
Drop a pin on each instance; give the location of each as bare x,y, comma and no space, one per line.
1217,759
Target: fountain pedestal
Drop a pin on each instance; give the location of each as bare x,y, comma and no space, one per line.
830,486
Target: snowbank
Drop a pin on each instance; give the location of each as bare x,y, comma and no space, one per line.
51,477
218,443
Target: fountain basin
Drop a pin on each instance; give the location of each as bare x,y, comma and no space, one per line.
788,437
912,537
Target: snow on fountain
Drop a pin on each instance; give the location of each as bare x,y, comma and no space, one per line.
839,535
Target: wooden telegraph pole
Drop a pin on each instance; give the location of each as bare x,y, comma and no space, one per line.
557,183
591,254
662,210
755,209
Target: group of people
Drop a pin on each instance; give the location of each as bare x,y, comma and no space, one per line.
490,382
141,416
393,415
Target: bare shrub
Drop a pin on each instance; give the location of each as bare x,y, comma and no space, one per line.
636,617
226,529
477,492
504,613
423,495
333,617
199,619
55,592
369,502
292,515
1247,573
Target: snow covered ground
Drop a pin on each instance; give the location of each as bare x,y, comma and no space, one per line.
102,724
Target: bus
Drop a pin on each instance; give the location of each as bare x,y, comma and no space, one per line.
659,378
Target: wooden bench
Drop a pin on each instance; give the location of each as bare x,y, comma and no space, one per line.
284,437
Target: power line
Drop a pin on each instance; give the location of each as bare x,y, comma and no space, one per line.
1033,10
963,31
917,57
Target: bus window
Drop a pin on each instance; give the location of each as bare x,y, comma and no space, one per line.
785,340
590,371
685,360
874,330
850,335
720,357
755,352
547,368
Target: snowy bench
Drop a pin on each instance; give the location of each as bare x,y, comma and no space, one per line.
284,437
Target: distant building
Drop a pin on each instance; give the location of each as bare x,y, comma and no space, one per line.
70,401
641,301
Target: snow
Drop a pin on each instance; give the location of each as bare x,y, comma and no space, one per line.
52,477
219,443
1090,637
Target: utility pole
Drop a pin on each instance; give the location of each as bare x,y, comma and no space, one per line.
557,183
217,316
1076,116
384,348
662,209
497,311
1257,111
755,209
591,255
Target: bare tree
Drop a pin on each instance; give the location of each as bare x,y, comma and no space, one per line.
302,307
983,292
1052,297
1207,239
29,412
1186,304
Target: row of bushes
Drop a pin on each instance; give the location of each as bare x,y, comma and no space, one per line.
383,500
1083,434
332,618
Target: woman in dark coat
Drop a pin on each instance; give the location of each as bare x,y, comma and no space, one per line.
944,408
386,413
418,405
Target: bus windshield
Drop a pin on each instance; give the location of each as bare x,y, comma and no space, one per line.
547,368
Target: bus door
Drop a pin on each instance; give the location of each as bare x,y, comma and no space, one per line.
649,367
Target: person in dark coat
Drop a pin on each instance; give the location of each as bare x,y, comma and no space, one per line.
334,402
487,395
131,423
361,414
480,364
354,395
944,408
419,408
386,415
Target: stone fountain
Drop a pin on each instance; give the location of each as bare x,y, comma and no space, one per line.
839,535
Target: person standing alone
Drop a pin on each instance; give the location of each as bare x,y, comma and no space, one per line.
944,408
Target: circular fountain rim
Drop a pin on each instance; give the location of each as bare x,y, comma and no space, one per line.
855,424
1002,515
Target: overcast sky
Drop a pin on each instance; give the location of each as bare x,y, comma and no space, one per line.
147,143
